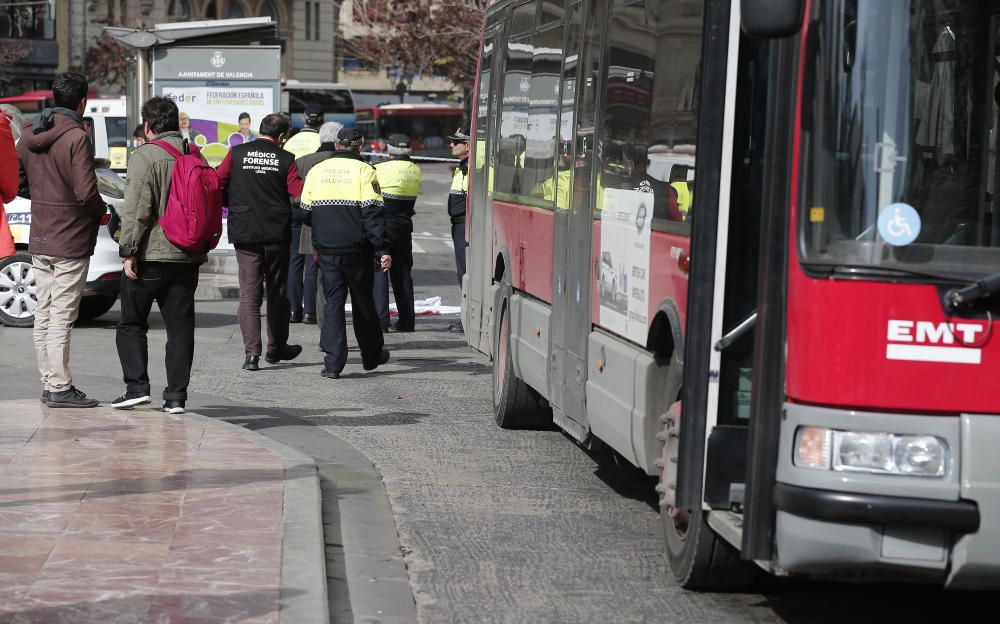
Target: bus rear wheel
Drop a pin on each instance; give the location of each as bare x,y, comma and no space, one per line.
698,558
515,404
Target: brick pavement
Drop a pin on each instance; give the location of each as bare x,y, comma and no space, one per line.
136,516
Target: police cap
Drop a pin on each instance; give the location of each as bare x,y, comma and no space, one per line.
351,137
460,136
314,108
399,140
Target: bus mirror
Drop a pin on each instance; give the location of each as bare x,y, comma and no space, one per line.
771,19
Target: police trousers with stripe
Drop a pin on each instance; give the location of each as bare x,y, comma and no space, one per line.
343,274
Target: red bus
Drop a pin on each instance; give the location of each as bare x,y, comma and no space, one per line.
32,102
791,234
427,125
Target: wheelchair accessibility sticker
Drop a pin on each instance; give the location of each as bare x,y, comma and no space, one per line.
899,224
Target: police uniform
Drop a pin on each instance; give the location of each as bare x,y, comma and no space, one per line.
399,179
457,195
301,273
342,203
306,141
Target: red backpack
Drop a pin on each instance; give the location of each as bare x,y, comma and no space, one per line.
193,217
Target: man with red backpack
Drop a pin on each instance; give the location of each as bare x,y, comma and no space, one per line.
155,268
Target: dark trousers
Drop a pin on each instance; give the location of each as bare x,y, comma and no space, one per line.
353,274
302,272
263,266
171,285
401,250
458,237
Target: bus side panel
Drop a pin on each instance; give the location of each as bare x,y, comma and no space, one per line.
506,236
527,233
885,347
536,227
668,279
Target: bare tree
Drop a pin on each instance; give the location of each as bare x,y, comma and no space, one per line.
105,62
438,37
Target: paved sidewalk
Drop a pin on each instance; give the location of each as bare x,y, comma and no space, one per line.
139,516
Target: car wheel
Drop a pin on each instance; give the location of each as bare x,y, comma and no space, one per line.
18,296
93,307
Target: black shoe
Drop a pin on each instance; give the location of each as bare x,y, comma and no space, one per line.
383,357
295,318
288,352
173,406
71,398
45,396
130,400
400,328
252,363
457,328
309,319
329,374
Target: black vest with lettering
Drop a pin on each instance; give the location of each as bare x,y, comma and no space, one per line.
260,210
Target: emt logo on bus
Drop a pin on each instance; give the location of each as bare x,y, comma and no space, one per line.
920,341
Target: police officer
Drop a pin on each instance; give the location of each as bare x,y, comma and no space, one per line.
306,140
399,178
456,203
262,180
300,278
342,203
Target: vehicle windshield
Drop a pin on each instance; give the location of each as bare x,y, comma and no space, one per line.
898,143
333,101
426,132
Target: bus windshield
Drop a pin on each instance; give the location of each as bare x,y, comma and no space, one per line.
898,147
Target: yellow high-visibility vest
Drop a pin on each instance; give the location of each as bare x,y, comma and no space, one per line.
304,143
398,179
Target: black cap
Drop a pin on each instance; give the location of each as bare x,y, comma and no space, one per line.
462,134
351,137
399,140
314,108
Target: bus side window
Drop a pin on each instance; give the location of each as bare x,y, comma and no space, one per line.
653,56
514,117
540,151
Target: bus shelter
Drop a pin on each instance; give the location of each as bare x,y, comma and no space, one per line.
210,69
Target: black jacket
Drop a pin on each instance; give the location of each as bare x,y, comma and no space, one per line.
262,180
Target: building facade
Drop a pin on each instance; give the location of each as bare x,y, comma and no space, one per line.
40,37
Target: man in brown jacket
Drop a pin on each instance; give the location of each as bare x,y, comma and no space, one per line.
57,174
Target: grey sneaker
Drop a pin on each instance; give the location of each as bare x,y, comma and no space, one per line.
71,398
45,396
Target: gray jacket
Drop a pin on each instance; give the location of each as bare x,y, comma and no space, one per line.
147,187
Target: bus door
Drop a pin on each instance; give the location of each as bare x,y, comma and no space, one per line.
478,294
571,271
719,350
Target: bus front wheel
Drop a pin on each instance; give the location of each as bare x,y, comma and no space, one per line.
698,558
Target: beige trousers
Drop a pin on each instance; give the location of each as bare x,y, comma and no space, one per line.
59,284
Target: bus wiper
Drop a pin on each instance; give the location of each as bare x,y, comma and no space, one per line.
867,269
968,295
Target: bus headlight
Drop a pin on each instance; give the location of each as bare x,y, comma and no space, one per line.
877,453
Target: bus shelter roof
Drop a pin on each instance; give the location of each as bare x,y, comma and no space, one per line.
208,32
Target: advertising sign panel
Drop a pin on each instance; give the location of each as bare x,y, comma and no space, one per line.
623,270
